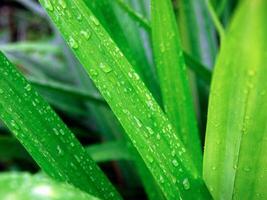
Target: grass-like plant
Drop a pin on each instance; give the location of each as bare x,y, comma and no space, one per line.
151,64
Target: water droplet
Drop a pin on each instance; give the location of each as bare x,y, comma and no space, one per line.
175,163
56,131
59,150
93,72
14,125
136,76
138,122
174,180
62,3
73,44
79,17
94,20
28,87
186,184
161,179
105,68
48,5
150,159
247,169
86,34
151,132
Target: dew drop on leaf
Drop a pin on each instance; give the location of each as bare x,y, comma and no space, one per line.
105,68
93,73
150,159
59,150
94,20
175,163
79,17
161,179
48,5
86,34
28,87
186,184
73,44
62,3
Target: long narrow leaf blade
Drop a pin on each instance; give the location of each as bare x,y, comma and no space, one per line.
172,73
132,103
45,136
197,31
235,153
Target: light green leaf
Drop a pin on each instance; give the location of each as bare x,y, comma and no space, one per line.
235,152
23,186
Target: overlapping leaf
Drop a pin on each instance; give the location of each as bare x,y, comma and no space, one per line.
141,117
172,73
45,136
235,153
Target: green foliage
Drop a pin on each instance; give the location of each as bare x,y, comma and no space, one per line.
132,83
136,109
45,136
235,153
23,186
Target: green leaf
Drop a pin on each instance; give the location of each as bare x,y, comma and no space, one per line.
132,103
199,41
235,152
45,136
10,148
134,15
194,15
30,47
67,90
109,151
200,70
24,186
126,35
177,100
